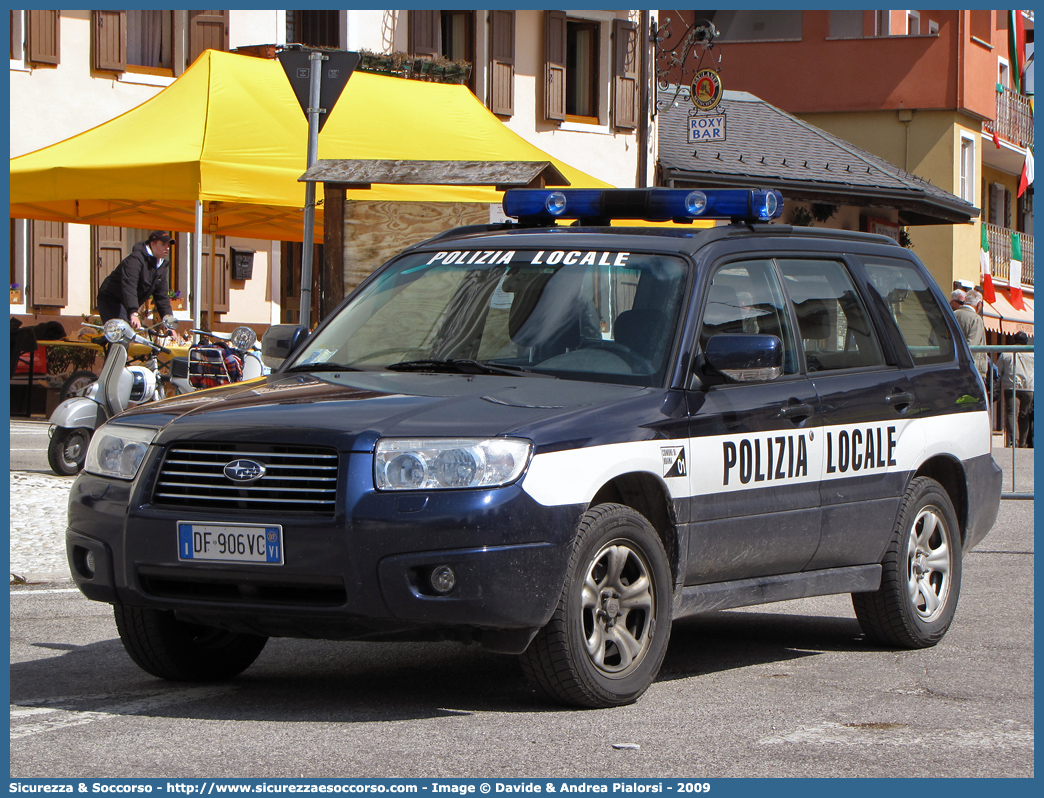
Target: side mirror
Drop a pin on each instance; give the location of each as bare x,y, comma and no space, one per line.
279,342
745,358
170,322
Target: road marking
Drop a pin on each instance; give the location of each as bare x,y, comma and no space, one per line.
41,592
54,714
1007,734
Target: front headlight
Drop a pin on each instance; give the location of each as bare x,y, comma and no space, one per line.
118,451
403,464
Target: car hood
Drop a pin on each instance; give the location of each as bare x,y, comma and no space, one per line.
353,409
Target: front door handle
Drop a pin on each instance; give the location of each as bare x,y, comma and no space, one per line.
900,400
797,412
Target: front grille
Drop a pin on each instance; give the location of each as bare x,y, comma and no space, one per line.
296,478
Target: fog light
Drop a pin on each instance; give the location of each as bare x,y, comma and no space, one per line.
442,579
83,558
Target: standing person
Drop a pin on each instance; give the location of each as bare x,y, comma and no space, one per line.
972,326
956,299
143,273
1016,379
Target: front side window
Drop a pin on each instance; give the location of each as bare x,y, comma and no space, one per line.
745,298
835,329
919,317
598,315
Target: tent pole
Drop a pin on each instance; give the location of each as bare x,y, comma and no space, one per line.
213,273
197,265
315,73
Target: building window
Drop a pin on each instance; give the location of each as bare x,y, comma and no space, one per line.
314,28
933,28
846,24
150,39
572,68
913,23
582,71
881,20
445,34
458,35
1003,73
143,40
981,25
736,26
967,184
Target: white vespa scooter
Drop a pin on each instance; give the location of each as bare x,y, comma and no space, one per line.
118,387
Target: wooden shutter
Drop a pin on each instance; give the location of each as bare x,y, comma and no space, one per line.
44,36
207,30
425,33
49,266
108,245
555,46
502,62
109,40
221,276
625,74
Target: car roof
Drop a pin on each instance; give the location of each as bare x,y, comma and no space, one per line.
664,239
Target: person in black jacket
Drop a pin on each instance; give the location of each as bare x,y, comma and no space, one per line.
143,273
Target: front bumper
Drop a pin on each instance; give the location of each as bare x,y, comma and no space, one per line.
363,572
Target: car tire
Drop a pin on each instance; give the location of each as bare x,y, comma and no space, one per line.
921,577
67,450
608,635
162,645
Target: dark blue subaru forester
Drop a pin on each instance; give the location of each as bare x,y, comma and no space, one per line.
553,440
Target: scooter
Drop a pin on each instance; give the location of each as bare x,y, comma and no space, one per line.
118,387
209,365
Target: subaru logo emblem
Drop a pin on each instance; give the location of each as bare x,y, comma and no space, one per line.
244,470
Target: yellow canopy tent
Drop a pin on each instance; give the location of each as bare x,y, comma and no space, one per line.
230,134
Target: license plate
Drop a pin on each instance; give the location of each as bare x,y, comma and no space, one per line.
253,543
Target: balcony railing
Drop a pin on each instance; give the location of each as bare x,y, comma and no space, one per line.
1000,253
1013,122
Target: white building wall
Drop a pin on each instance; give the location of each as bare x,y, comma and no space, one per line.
51,104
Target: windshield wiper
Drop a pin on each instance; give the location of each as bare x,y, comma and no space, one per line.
322,367
457,366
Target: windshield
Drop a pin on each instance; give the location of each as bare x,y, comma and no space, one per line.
595,315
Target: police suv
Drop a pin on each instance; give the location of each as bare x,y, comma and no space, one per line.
552,441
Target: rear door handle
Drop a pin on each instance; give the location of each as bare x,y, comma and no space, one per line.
900,400
797,412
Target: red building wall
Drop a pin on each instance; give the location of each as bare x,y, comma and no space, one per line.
819,74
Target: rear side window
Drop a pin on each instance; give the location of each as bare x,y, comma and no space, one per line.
919,317
836,332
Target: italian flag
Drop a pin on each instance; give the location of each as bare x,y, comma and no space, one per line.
1026,178
1015,273
987,273
1016,48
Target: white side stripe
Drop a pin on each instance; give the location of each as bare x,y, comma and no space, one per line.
725,463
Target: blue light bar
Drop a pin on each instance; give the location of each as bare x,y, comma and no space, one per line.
648,204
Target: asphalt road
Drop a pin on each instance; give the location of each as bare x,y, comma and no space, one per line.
776,691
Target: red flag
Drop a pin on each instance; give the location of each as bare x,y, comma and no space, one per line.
996,140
